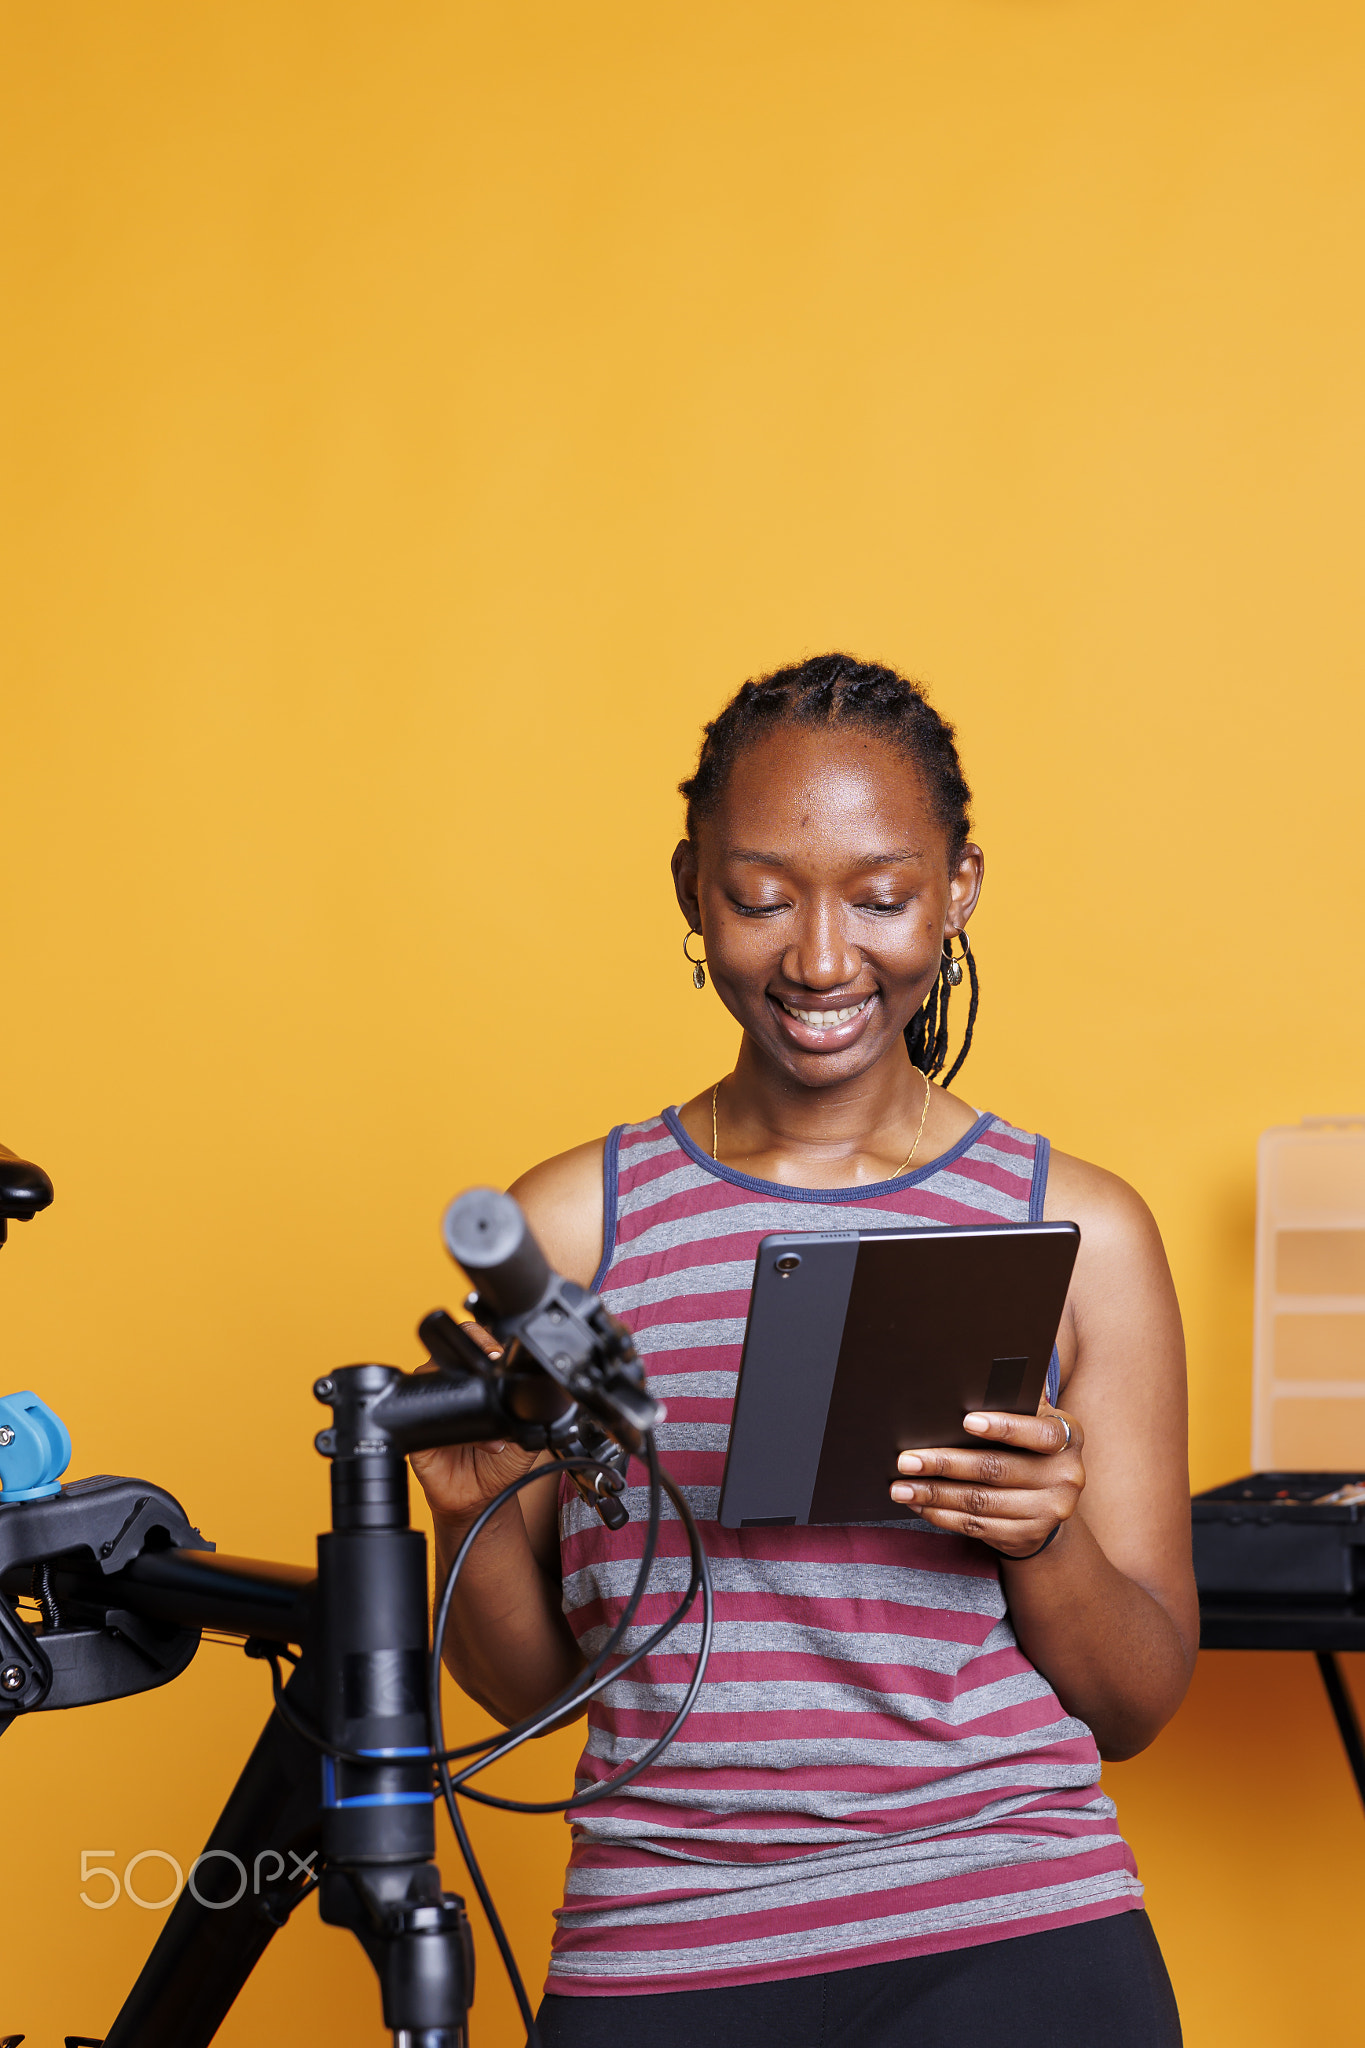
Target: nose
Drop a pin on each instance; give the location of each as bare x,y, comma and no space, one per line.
821,955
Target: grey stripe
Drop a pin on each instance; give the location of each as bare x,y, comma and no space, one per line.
791,1639
699,1386
870,1854
703,1336
691,1436
787,1753
913,1653
756,1215
826,1815
734,1276
842,1842
576,1515
759,1697
899,1585
753,1213
975,1194
641,1149
850,1936
774,1887
998,1128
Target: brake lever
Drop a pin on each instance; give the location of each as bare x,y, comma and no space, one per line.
451,1345
454,1350
601,1490
574,1338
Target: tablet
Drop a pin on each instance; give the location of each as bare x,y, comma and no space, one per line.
863,1344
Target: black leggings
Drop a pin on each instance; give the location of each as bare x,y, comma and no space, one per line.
1101,1984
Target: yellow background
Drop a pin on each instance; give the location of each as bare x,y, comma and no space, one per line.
419,418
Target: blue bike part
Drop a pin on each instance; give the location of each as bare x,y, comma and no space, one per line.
331,1799
35,1449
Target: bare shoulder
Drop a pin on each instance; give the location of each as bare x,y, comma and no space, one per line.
563,1201
1121,1289
1109,1211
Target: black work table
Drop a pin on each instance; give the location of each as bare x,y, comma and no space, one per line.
1324,1627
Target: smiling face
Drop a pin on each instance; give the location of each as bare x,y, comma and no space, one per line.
823,886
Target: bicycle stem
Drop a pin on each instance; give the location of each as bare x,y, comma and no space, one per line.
378,1832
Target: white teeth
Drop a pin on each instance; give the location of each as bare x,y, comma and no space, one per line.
824,1019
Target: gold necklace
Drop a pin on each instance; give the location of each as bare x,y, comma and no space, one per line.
715,1128
919,1133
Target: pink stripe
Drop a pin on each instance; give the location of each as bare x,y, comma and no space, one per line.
709,1831
617,1856
996,1140
846,1780
964,1888
778,1667
990,1175
892,1950
872,1617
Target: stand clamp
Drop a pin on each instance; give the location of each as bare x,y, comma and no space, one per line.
418,1939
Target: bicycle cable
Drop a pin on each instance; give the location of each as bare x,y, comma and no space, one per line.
575,1696
508,1738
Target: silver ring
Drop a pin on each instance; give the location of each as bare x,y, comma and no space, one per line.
1067,1427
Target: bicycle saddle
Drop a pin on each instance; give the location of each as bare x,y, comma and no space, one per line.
24,1189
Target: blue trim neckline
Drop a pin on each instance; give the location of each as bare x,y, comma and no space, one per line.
674,1124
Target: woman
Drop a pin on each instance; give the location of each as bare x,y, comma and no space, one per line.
882,1823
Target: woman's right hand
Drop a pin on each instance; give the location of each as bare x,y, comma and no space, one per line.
459,1480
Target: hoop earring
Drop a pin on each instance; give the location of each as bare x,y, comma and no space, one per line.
951,969
699,966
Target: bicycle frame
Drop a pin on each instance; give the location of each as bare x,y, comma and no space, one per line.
127,1586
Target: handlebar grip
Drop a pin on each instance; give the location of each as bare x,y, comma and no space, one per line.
24,1189
486,1233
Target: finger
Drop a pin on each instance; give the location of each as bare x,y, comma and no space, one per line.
991,1468
506,1453
985,1502
485,1340
1010,1539
1044,1432
420,1460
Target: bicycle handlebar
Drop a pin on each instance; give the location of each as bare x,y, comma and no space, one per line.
487,1234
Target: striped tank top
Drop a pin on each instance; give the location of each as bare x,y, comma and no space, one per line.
873,1769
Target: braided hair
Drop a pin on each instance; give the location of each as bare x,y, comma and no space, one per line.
834,689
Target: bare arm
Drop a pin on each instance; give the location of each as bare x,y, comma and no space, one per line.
1108,1612
508,1645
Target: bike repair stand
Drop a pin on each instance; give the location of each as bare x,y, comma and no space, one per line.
368,1813
343,1769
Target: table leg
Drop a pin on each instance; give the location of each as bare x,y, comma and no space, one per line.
1344,1709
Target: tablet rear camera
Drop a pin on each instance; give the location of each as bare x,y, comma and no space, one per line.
787,1264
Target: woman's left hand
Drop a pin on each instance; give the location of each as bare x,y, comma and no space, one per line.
1013,1493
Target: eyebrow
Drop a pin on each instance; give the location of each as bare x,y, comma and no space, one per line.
868,860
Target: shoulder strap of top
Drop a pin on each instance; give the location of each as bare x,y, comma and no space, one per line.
611,1158
1038,1192
1042,1158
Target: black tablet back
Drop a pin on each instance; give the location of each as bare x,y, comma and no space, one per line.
860,1345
